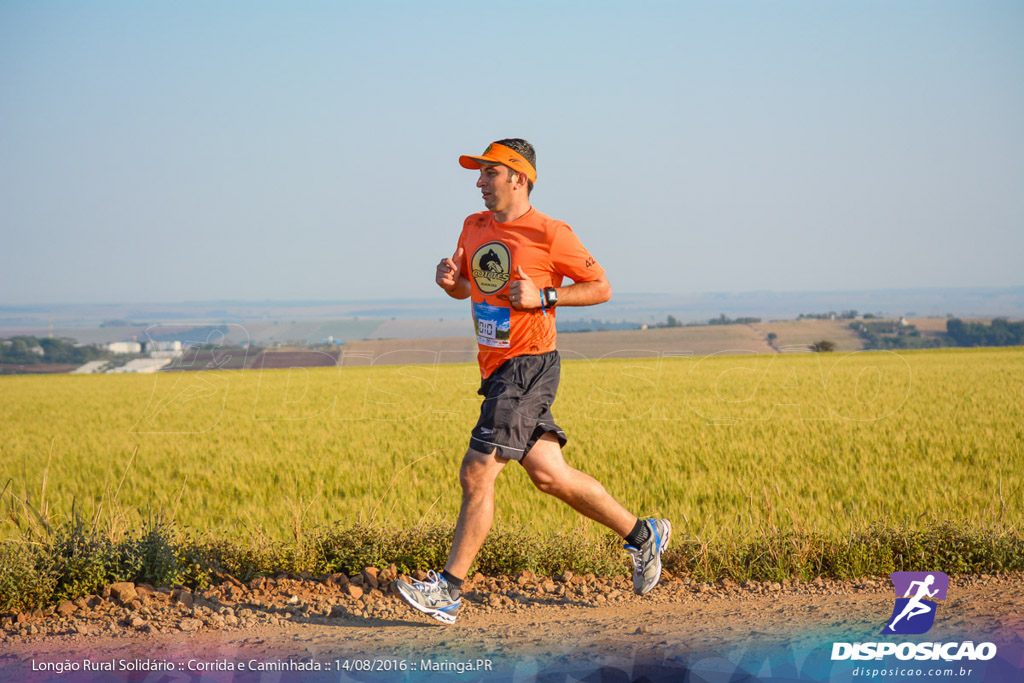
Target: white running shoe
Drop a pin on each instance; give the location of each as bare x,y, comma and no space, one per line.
647,558
431,597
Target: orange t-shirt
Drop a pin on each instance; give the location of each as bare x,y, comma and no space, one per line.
547,250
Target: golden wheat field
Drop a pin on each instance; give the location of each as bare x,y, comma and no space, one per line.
725,446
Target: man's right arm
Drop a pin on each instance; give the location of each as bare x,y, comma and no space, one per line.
450,279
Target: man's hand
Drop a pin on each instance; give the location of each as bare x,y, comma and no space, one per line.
448,273
523,293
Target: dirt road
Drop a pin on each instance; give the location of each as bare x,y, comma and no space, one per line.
682,631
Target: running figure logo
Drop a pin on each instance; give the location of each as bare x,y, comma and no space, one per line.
916,596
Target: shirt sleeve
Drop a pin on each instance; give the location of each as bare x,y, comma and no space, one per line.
571,259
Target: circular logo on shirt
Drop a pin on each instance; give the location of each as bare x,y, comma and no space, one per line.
491,266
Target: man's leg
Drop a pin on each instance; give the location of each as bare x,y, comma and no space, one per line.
438,594
646,540
477,475
551,474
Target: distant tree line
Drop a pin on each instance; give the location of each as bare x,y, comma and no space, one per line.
1000,333
723,319
891,334
595,325
844,315
671,321
31,351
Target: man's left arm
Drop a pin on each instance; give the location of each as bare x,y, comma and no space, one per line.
525,294
587,293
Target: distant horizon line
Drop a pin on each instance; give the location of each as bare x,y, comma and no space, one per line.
392,300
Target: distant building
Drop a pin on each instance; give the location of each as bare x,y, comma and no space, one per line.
151,346
124,347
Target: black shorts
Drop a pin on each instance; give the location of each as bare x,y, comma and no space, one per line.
516,410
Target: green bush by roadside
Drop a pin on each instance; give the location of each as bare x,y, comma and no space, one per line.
75,559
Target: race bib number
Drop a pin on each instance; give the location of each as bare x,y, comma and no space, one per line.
493,324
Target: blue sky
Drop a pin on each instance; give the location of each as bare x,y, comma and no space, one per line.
198,151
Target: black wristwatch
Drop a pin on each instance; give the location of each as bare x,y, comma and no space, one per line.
550,297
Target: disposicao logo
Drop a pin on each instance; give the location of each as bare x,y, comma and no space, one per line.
917,596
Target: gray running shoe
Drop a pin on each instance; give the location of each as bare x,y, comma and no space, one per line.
647,558
431,597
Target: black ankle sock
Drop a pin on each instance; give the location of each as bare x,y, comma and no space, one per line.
640,533
454,584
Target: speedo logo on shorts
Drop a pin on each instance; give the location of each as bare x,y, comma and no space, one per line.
491,267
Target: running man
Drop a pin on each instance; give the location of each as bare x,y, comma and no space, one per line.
915,605
510,262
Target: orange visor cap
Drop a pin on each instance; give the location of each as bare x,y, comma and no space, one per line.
500,154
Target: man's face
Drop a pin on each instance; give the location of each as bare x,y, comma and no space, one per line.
497,183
